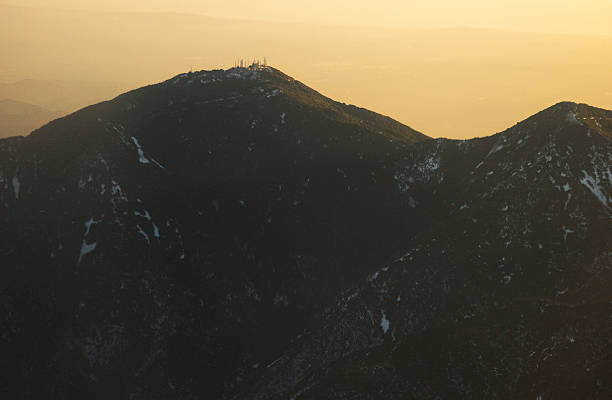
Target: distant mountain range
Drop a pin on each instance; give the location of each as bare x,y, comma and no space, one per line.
30,103
234,234
19,118
58,95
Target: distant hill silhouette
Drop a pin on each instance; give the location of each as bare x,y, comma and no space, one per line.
58,95
19,118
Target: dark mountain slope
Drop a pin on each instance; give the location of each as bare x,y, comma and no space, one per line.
503,297
236,235
171,238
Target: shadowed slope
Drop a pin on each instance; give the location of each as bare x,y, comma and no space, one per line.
236,235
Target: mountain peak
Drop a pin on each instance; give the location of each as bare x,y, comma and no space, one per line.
258,90
568,117
577,112
253,72
561,111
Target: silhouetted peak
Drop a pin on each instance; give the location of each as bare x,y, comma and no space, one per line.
567,118
576,113
257,90
254,72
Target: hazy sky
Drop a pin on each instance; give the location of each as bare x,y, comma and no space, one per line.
452,82
562,16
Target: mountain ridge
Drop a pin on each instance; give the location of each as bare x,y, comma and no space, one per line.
236,235
217,75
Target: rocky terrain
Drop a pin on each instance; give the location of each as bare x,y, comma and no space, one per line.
237,235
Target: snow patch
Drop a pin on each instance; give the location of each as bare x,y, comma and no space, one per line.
141,156
16,187
88,225
280,299
273,93
155,231
86,248
116,190
566,231
432,163
146,215
384,322
143,234
411,202
571,117
158,164
569,198
495,149
592,183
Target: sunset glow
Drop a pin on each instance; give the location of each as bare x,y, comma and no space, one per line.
446,69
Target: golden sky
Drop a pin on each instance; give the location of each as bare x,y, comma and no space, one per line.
561,16
456,69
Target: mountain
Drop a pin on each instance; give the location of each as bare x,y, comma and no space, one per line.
237,235
57,94
18,118
504,294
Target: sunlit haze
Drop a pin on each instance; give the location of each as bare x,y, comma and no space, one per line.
446,68
563,16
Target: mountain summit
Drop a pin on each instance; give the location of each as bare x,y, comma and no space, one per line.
237,235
